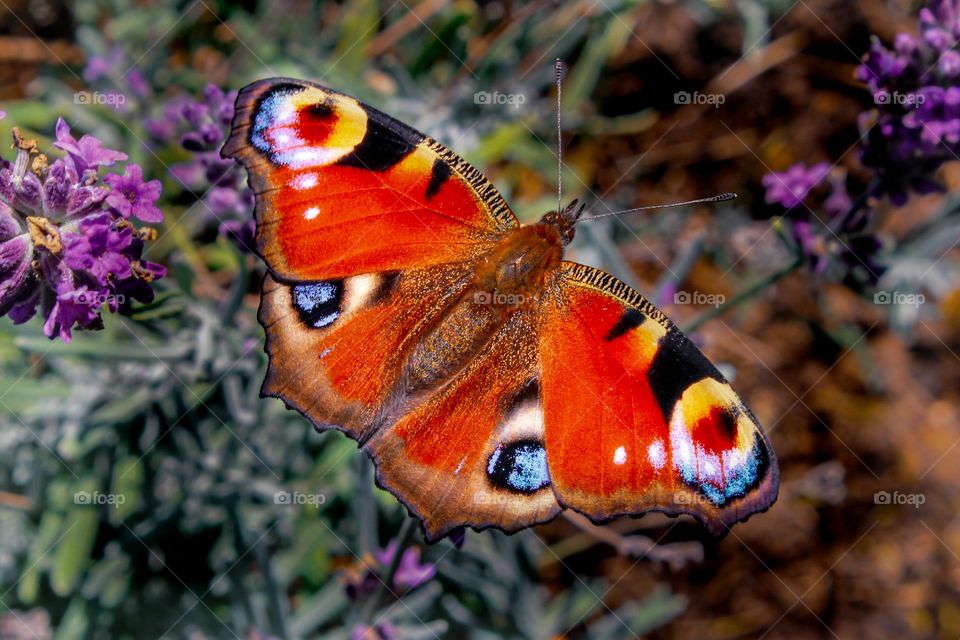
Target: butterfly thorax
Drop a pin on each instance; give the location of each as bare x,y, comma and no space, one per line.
516,271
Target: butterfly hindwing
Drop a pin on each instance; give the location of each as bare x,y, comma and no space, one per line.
337,348
637,419
474,453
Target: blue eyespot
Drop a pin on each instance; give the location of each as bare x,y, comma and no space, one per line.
318,302
520,466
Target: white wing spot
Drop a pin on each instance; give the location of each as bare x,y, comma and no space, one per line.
657,454
311,213
305,181
620,455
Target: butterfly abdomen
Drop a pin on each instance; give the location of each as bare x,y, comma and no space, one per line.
511,278
458,337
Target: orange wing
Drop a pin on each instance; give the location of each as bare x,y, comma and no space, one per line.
637,419
343,189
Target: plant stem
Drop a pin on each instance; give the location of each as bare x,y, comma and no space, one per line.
239,289
744,295
403,541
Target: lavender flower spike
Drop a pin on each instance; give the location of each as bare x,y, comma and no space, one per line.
67,246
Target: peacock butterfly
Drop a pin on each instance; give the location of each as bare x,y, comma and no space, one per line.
493,383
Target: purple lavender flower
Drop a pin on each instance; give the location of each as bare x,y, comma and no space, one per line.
791,187
102,66
80,306
913,129
201,128
410,572
15,272
67,247
242,233
112,72
87,152
132,197
916,124
457,537
98,248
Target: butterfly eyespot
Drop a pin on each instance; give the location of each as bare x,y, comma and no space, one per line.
520,466
715,449
318,303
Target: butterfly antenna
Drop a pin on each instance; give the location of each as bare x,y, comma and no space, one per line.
723,197
558,69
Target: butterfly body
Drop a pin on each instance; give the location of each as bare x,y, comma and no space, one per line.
492,382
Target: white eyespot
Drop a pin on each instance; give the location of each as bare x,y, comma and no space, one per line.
620,455
311,213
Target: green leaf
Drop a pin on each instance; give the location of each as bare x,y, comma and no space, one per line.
108,581
72,556
75,621
97,348
127,485
47,534
122,409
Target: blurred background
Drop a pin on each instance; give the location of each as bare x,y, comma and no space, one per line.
140,472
